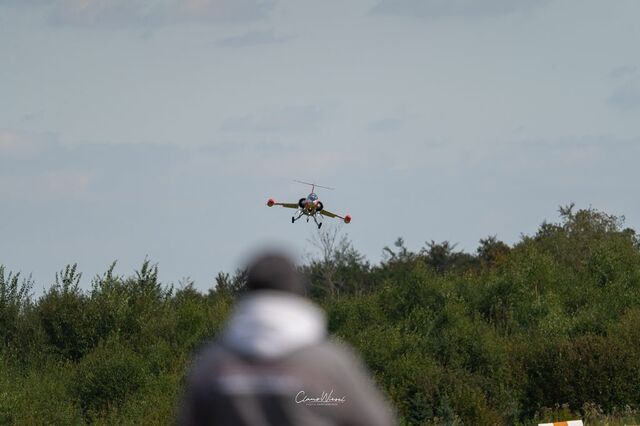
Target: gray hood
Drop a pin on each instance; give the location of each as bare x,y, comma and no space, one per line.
270,324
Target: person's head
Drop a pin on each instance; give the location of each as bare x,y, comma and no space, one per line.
275,271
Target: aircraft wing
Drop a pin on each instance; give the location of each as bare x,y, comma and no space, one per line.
329,214
287,205
346,218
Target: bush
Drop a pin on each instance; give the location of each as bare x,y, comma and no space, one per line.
107,376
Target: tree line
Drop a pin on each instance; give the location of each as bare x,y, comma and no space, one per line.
544,329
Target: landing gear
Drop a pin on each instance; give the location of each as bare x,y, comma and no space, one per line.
318,224
294,218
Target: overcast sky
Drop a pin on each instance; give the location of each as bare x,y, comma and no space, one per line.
133,128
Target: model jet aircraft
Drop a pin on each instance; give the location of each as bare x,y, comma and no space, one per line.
309,206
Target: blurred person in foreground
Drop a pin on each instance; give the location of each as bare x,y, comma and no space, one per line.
273,363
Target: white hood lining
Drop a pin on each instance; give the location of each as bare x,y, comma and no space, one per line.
270,324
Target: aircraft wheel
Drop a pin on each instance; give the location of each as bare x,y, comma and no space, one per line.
320,225
293,219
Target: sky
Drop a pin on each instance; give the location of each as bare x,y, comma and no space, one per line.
133,129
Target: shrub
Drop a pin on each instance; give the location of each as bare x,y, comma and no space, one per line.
107,376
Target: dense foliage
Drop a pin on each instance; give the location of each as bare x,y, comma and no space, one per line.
546,329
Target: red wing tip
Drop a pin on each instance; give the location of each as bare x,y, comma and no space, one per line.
347,218
271,202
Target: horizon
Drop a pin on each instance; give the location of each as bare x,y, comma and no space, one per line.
302,259
133,129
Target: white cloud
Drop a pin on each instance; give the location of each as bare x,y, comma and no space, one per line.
253,38
144,13
14,145
47,186
453,8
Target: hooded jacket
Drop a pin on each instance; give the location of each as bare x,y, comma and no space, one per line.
273,365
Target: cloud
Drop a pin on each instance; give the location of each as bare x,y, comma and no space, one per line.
258,164
625,98
22,3
64,183
47,185
146,13
623,72
253,38
38,168
15,145
385,125
32,167
283,120
453,8
46,171
32,117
